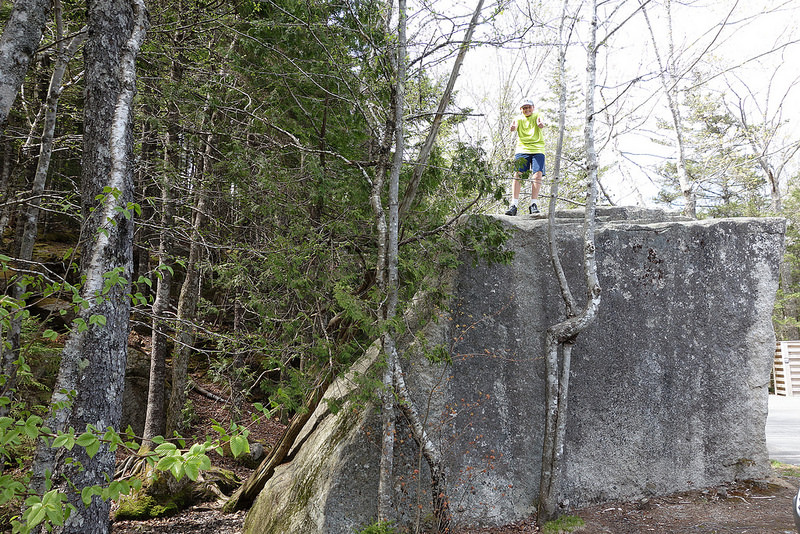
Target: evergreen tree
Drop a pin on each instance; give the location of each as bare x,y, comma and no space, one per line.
728,182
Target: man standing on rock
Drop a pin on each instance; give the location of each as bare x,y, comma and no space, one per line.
529,154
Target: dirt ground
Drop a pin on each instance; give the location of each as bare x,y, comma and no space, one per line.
751,507
746,508
762,507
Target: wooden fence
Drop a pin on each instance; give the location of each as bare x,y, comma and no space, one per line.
786,368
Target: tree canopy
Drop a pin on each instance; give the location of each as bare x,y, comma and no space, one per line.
265,140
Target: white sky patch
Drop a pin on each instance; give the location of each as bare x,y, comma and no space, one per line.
737,40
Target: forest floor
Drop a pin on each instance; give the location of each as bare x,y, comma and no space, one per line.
750,507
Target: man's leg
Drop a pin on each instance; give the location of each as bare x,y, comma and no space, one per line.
515,190
536,185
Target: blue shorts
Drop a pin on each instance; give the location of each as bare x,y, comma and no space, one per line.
529,162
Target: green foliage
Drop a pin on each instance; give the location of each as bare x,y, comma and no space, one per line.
378,527
50,509
485,239
22,429
785,470
785,314
189,463
727,180
563,525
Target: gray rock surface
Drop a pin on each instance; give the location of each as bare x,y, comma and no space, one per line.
668,386
134,397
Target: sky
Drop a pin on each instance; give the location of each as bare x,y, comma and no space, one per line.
729,38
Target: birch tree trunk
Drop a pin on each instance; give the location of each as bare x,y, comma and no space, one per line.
93,360
390,280
187,304
422,160
393,383
562,335
566,294
669,83
18,44
156,416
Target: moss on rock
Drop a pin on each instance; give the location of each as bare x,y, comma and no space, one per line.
161,495
140,505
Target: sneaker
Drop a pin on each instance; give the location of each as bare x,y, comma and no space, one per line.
512,210
533,210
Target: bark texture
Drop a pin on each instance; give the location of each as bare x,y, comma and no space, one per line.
156,417
92,371
18,44
561,336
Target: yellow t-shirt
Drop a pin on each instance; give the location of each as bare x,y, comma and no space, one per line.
530,139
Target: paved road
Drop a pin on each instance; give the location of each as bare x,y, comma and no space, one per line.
783,429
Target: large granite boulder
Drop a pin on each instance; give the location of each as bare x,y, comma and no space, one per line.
668,385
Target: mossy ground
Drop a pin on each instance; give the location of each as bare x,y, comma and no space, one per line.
563,525
141,506
163,496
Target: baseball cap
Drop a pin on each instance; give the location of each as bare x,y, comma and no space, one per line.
526,102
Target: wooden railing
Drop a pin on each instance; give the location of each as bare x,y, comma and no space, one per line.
786,368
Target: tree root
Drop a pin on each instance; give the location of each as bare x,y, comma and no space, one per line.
133,466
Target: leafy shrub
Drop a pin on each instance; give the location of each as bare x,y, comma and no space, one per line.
378,527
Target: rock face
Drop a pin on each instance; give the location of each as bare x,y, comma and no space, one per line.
668,386
134,398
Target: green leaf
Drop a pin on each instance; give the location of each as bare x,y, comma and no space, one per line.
166,463
90,442
115,489
86,439
177,470
64,440
88,492
32,427
92,449
34,515
192,469
97,319
239,445
80,324
164,448
52,335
